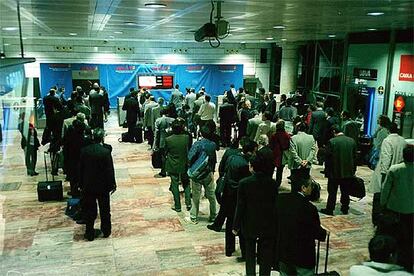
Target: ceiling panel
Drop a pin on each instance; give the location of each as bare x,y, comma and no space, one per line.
249,20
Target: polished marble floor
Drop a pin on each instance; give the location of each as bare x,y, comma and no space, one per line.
148,238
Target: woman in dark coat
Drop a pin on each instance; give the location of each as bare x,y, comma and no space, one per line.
30,144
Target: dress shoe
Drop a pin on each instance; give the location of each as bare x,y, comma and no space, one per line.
344,212
326,212
240,259
213,228
191,220
34,173
175,209
106,235
81,221
188,207
97,234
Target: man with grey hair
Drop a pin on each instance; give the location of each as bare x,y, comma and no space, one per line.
267,154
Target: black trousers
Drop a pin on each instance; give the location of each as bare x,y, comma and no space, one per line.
333,184
279,175
264,253
90,212
150,136
97,120
376,208
405,241
225,133
220,218
30,159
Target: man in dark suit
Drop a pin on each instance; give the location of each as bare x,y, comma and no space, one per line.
339,168
30,144
227,115
51,103
317,124
298,227
256,216
349,127
176,151
97,104
96,180
237,168
131,106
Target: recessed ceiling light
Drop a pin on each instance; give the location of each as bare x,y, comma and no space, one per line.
332,35
6,44
9,28
73,34
24,38
372,29
283,39
375,13
279,27
155,5
118,32
242,42
269,38
111,36
131,23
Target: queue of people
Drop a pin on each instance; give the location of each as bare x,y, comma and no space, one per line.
262,138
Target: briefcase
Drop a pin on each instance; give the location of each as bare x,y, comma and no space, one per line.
49,190
356,187
156,159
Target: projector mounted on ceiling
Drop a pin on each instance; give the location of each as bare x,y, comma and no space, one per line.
213,31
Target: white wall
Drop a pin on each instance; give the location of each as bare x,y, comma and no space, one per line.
99,51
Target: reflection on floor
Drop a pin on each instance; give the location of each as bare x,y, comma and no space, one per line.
148,238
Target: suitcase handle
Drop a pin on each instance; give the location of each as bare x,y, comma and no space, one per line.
326,255
44,157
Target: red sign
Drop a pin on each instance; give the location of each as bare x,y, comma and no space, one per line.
399,103
407,68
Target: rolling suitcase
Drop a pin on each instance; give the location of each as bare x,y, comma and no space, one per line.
49,190
326,272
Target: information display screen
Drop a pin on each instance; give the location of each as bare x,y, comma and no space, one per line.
156,82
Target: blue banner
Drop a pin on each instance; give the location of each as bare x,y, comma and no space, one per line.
119,78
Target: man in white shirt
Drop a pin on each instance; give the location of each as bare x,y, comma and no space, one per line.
190,99
207,111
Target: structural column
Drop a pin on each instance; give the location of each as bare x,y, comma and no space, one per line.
289,68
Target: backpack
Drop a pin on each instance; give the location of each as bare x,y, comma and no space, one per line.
200,168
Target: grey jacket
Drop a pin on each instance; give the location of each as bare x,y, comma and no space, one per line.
398,192
161,126
391,153
302,147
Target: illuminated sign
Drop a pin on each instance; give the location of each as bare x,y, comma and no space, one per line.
366,74
399,103
406,68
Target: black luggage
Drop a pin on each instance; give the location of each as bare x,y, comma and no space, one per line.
326,272
137,134
49,190
356,187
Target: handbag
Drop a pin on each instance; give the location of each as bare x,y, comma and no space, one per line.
356,187
220,183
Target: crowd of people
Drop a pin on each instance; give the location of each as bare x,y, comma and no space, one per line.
261,137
